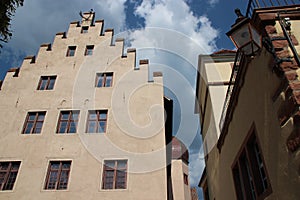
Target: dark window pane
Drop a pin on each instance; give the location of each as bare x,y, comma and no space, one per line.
66,165
65,115
121,176
108,82
2,176
41,117
100,81
28,127
109,179
51,84
122,164
237,183
52,180
63,127
257,167
71,51
15,165
72,127
38,127
92,115
74,116
55,165
101,128
89,50
102,115
108,185
10,181
84,29
247,177
92,127
43,84
63,181
31,116
110,163
4,165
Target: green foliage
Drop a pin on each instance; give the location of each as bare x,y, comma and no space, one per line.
7,10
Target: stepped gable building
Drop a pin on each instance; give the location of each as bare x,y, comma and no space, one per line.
249,107
78,122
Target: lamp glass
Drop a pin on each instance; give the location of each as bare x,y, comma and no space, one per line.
256,37
241,36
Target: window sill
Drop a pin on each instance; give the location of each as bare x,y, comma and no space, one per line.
113,190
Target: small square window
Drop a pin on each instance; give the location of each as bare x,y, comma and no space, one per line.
114,174
34,122
46,83
67,122
97,120
104,79
58,175
8,174
84,29
71,51
89,50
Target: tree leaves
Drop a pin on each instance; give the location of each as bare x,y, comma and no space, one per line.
7,10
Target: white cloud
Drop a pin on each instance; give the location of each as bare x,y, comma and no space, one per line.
112,12
177,17
213,2
196,167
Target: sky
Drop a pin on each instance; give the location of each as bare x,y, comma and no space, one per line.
170,33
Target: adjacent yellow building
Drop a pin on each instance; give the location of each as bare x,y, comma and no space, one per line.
250,118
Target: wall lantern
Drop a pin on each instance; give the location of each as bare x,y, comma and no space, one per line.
244,35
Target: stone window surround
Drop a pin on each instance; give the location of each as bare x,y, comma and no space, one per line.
11,174
58,176
36,122
115,169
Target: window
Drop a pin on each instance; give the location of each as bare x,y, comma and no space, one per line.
46,83
114,174
8,174
67,122
104,79
89,50
58,175
249,172
84,29
34,122
186,179
71,51
96,122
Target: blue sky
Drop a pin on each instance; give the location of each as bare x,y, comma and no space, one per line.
171,33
